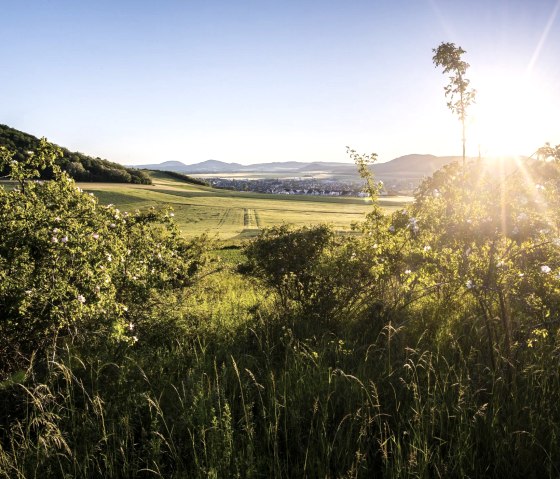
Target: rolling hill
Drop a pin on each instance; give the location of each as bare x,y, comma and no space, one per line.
413,166
79,166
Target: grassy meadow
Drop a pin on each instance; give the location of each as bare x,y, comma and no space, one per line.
232,215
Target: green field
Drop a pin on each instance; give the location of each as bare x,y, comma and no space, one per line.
231,214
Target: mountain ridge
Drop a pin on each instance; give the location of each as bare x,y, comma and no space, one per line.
413,164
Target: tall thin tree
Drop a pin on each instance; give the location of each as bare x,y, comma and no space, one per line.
460,97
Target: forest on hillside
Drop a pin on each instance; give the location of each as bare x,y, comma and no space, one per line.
79,166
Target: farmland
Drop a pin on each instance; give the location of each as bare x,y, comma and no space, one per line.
232,215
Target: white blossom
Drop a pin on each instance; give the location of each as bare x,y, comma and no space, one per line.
81,298
545,269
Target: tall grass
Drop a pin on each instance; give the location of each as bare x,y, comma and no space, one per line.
241,393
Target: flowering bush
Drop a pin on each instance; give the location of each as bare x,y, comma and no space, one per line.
70,266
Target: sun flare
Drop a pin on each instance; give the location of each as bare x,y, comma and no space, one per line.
511,117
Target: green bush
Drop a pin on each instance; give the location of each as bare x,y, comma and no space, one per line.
71,267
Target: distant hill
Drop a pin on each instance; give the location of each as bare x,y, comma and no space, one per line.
414,166
79,166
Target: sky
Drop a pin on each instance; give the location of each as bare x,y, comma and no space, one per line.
140,82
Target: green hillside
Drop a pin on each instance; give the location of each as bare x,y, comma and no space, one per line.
81,167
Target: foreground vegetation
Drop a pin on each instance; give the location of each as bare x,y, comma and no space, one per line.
426,346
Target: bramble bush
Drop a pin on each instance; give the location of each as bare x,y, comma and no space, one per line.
72,268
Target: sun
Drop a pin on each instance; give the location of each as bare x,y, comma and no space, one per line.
513,115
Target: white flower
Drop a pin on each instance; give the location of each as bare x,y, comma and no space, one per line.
57,219
469,284
375,246
55,230
172,215
436,193
54,239
95,236
64,239
81,299
135,339
427,248
521,275
130,326
539,187
500,264
407,271
109,257
545,269
392,229
113,225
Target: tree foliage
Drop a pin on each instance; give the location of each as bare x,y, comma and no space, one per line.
449,56
79,166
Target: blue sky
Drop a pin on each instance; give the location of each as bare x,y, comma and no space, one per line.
253,81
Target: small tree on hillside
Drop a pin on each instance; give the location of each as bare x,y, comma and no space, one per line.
448,56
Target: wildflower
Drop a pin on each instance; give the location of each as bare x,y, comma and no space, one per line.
469,284
130,326
413,223
375,246
64,239
81,299
95,236
539,187
427,248
500,264
55,230
392,229
436,193
134,339
57,219
172,215
521,275
407,271
97,289
545,269
112,225
54,239
109,257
